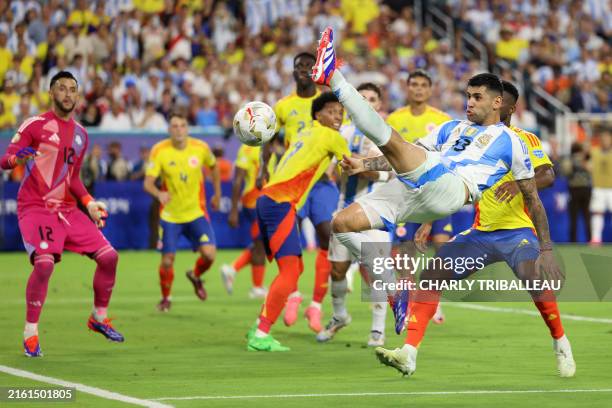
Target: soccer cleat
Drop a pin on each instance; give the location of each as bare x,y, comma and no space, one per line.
438,317
377,339
399,305
164,305
258,292
31,347
267,343
228,273
402,359
566,366
313,315
105,328
324,67
291,310
334,325
198,285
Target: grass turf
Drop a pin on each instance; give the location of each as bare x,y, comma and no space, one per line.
198,349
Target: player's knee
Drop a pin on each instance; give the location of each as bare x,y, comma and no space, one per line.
167,260
323,233
338,272
208,253
341,223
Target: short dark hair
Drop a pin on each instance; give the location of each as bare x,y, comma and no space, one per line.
303,54
511,89
177,113
489,81
320,101
60,75
370,86
420,73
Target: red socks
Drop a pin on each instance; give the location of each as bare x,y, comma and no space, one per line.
243,260
421,311
322,271
201,266
257,275
166,276
36,290
104,277
289,270
550,313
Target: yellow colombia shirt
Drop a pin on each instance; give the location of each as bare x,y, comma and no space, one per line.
248,160
491,215
181,175
293,113
412,127
303,163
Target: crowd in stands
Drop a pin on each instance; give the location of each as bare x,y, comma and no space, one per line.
136,60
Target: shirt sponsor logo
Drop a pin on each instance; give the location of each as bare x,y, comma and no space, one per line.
470,131
483,140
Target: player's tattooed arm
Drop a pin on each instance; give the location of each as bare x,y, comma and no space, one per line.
378,163
536,210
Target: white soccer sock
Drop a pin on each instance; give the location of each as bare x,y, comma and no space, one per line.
295,294
260,333
379,313
100,313
364,116
338,293
31,329
597,226
367,253
316,305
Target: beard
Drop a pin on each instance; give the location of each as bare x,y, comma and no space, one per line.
60,105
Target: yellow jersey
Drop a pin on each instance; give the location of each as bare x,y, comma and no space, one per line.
305,160
293,113
181,175
248,160
491,215
412,127
601,162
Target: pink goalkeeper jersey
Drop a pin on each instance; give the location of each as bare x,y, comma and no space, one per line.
52,179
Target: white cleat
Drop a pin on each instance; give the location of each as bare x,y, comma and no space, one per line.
438,317
228,274
566,366
258,292
334,325
402,359
377,339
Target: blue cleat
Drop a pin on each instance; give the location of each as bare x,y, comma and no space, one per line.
326,62
400,309
105,328
31,347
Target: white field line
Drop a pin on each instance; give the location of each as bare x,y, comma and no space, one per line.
98,392
380,394
495,309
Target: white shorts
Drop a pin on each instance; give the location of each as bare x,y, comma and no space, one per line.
601,200
339,253
395,201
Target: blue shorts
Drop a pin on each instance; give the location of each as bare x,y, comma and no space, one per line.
321,203
405,232
199,232
250,214
509,246
279,229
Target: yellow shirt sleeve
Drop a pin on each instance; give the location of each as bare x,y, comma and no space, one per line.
338,145
208,159
154,163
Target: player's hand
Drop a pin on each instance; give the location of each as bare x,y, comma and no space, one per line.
215,201
507,191
547,267
163,197
352,165
421,236
97,211
24,155
233,218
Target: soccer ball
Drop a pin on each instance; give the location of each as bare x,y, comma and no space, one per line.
255,123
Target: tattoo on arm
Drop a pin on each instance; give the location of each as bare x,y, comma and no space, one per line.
378,163
536,211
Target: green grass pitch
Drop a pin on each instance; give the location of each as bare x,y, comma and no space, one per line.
198,349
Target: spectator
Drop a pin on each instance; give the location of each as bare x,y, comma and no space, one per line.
601,161
115,119
24,109
575,168
138,171
92,116
93,168
118,167
206,115
150,119
7,119
225,166
509,47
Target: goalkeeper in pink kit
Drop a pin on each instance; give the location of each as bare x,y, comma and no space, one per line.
52,146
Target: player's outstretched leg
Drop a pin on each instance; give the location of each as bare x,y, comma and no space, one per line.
403,156
36,293
104,279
